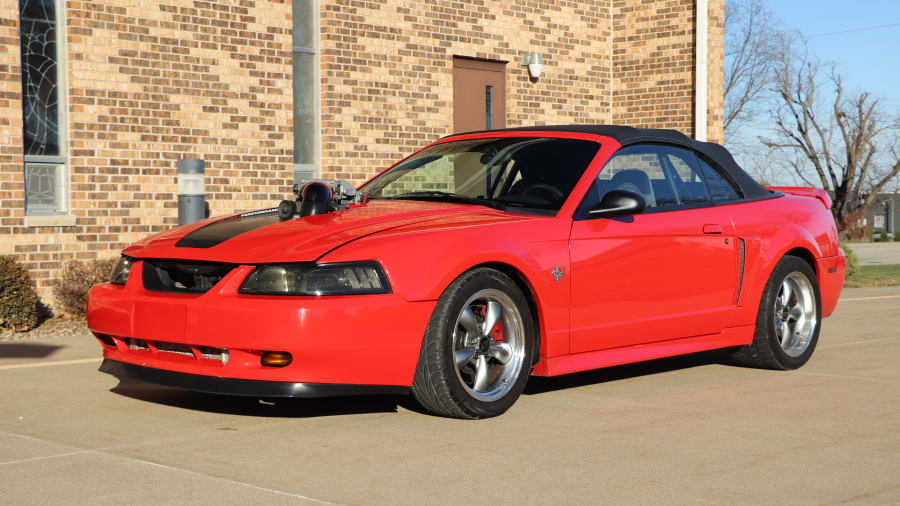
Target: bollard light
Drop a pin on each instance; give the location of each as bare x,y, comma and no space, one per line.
191,202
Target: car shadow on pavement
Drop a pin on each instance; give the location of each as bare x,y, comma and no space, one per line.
354,405
27,350
540,385
252,406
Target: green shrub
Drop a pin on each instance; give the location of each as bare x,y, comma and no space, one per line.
852,261
71,288
883,237
896,235
18,300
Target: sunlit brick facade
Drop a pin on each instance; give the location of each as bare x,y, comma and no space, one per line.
144,83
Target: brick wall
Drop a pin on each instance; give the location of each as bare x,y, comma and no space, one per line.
149,83
653,63
387,69
387,81
715,99
12,187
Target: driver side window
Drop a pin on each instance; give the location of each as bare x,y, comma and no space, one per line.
666,177
638,169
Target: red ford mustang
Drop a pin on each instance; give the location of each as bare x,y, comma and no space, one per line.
478,261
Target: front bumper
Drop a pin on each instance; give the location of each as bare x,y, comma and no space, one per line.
221,334
243,387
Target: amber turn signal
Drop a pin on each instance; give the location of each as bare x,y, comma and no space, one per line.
276,358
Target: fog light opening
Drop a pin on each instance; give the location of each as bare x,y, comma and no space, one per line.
276,358
106,339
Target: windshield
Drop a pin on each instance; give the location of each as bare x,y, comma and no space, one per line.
527,172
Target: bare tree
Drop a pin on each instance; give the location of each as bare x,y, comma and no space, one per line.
846,138
753,38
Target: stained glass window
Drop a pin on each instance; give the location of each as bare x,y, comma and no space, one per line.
43,146
42,182
40,93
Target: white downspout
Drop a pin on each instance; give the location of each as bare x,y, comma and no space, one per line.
700,69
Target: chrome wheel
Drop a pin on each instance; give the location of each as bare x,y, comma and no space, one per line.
795,314
488,345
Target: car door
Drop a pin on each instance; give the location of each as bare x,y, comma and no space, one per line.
665,273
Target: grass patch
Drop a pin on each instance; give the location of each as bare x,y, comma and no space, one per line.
874,275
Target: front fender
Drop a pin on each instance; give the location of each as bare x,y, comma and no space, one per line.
422,262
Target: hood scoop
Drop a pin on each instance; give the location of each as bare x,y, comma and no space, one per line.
319,196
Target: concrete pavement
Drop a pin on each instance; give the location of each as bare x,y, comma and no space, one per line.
681,430
877,253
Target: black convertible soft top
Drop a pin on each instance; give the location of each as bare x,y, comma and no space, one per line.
626,136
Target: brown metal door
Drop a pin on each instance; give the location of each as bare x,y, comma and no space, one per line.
479,95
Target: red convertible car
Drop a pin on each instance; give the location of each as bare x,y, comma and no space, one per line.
476,262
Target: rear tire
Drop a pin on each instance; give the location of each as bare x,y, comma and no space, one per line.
788,320
466,370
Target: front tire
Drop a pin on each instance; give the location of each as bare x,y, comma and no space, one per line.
788,321
477,352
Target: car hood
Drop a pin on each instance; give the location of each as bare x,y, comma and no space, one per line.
259,236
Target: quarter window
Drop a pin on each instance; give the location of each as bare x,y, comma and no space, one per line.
687,176
720,187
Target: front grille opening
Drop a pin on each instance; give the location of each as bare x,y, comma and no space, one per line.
177,348
210,353
162,348
138,344
183,276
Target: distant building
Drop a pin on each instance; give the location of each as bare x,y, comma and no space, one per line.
100,98
884,213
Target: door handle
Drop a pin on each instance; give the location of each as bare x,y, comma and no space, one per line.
712,228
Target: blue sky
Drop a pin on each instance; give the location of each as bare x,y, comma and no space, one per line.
869,60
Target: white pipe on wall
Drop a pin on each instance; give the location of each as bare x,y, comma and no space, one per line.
700,69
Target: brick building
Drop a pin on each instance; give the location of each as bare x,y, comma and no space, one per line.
100,98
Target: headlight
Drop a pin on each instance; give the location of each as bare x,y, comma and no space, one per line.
351,278
121,271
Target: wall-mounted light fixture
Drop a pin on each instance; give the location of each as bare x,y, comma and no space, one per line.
533,62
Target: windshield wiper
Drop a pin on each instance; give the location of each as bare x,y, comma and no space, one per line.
448,197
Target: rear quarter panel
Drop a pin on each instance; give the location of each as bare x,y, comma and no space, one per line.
773,227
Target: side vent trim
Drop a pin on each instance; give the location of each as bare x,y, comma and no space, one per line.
740,273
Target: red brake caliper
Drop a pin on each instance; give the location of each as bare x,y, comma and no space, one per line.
497,334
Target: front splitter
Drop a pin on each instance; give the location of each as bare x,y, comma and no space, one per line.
242,387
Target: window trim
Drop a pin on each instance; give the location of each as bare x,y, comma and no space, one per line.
60,160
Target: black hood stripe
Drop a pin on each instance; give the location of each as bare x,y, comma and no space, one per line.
216,233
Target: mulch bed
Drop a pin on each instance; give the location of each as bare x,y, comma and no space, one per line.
51,327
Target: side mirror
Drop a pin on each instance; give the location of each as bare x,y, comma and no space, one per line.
617,203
